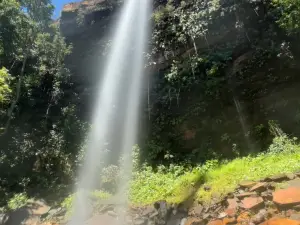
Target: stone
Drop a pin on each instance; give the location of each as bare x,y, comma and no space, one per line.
232,207
206,216
222,215
281,221
258,218
183,221
291,176
196,210
139,222
147,211
231,212
103,219
277,178
227,221
244,217
194,221
246,194
112,213
215,222
247,184
232,203
287,197
154,214
252,202
267,195
295,216
261,186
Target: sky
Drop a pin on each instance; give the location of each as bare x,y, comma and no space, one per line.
59,5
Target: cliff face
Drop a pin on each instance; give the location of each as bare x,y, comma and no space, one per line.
255,87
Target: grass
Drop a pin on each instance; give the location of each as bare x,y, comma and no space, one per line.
171,184
175,184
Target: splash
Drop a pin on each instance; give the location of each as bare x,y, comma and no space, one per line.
122,81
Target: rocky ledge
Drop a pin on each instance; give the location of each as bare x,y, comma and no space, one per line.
271,201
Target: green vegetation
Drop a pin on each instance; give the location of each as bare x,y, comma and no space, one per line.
223,83
17,201
176,184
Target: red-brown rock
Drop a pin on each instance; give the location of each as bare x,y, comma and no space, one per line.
252,202
232,203
288,196
230,212
215,222
259,186
227,221
281,221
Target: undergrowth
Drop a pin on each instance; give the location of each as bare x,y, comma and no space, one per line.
176,184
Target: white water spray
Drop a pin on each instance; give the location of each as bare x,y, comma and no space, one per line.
123,71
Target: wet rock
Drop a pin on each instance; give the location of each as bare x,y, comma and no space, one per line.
281,221
3,218
287,197
112,213
261,186
103,219
247,184
140,222
246,194
252,202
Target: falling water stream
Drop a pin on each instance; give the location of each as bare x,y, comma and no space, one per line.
122,78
